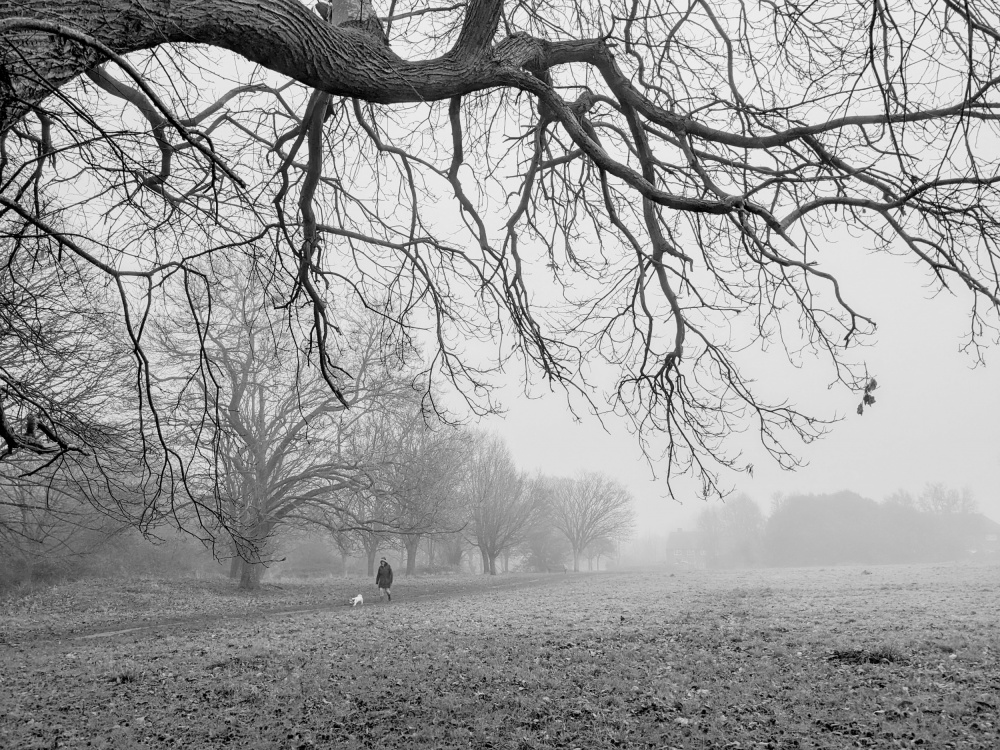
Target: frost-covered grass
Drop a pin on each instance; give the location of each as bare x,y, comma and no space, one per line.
904,657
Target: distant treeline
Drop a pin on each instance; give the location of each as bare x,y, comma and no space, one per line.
841,528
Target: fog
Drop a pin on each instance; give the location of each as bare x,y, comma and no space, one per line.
934,420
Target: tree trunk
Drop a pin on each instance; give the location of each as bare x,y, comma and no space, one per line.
492,558
250,575
372,554
454,553
576,560
412,544
251,552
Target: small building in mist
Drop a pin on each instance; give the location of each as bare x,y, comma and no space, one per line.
686,549
972,535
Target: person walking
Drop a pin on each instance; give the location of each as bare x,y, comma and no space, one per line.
383,579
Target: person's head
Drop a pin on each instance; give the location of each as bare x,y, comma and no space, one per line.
383,562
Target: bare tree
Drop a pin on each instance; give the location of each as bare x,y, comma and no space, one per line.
544,549
600,547
676,170
71,460
501,500
936,498
423,479
273,451
60,369
345,544
371,524
414,469
902,499
447,548
371,517
587,508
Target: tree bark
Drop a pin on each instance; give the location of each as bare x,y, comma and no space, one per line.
250,575
39,53
252,558
50,42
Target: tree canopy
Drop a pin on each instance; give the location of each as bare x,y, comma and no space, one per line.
677,172
589,508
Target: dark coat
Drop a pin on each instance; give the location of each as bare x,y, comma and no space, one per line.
383,579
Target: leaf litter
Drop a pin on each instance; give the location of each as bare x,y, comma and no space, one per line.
774,658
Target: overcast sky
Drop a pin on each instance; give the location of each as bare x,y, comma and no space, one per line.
935,418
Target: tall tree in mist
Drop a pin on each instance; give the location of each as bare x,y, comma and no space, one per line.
423,478
629,198
587,508
937,498
501,500
272,452
413,467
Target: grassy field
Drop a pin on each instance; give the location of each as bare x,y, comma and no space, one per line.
825,658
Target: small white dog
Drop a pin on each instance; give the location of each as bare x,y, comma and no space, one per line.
357,600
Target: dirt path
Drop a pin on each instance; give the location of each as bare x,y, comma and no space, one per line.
446,590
